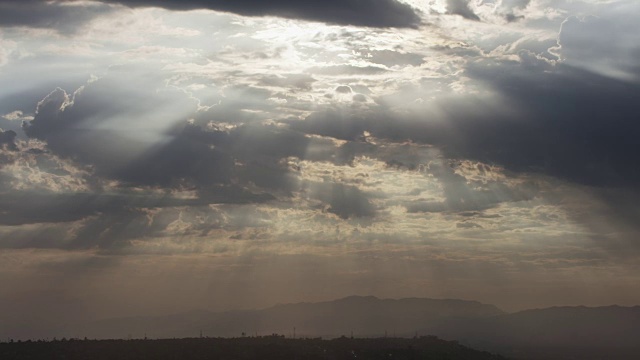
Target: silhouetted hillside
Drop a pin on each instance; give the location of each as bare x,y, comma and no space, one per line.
555,333
264,348
611,332
364,316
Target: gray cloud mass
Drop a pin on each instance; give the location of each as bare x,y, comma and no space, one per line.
461,7
583,133
46,14
7,140
374,13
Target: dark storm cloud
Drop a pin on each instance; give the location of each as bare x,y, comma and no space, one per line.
260,153
8,149
260,150
20,208
8,140
24,207
109,221
244,103
185,156
102,126
574,124
113,231
106,220
373,13
96,126
461,7
507,7
562,121
108,127
114,128
557,120
252,142
42,14
187,160
463,195
335,123
346,201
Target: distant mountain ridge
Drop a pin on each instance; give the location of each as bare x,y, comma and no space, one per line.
611,332
364,316
568,332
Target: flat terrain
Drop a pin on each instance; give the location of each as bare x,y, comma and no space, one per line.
269,347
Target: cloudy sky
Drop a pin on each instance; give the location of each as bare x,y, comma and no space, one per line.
163,156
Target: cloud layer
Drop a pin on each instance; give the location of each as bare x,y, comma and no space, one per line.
378,13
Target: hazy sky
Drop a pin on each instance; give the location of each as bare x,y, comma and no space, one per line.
162,156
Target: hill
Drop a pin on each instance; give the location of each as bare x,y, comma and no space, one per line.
362,316
610,332
557,333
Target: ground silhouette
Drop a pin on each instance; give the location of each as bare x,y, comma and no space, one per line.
245,348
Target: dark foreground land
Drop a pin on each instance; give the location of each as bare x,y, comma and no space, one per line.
264,348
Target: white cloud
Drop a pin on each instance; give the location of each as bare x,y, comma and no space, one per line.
7,47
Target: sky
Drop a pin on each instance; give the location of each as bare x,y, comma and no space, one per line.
163,156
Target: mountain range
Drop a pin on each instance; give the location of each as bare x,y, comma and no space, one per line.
611,332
